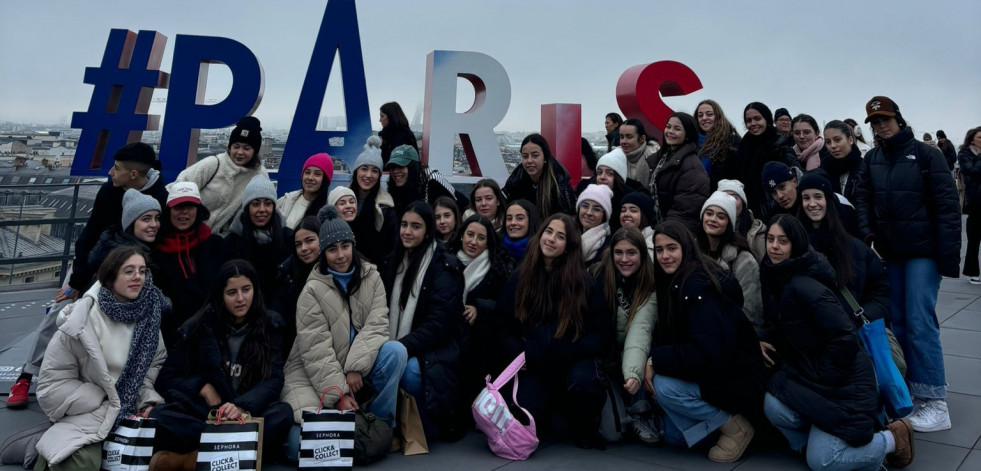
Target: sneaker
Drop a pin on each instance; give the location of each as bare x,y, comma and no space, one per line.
902,433
975,280
18,394
933,416
646,430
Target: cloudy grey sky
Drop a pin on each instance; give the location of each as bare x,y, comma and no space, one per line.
822,58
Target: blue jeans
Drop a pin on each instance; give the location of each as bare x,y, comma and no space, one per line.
824,451
689,418
913,288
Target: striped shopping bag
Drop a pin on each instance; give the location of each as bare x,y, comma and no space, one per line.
231,445
130,446
327,438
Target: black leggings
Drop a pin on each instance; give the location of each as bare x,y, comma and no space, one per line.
973,229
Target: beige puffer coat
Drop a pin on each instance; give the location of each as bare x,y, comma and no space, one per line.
322,354
74,387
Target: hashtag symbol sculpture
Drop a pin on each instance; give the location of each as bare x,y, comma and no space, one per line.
124,84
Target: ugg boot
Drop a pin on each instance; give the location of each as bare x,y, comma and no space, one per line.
735,436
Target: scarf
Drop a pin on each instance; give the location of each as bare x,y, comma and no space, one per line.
649,238
975,149
637,167
810,158
516,248
592,240
475,271
403,317
144,311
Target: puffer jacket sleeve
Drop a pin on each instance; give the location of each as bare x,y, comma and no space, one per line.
444,319
947,210
61,390
148,395
637,345
747,272
315,345
691,192
374,332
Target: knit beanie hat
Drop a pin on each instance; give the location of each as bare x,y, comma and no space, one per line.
137,152
323,162
643,201
763,109
338,193
259,187
734,186
616,160
815,179
775,173
722,200
333,229
247,130
136,204
371,155
781,112
402,156
601,195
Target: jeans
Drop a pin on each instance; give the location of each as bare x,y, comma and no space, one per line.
824,451
689,418
913,288
973,229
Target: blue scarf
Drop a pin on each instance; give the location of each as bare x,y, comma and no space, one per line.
343,278
516,248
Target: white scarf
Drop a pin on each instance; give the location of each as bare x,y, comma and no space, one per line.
475,271
593,239
400,320
649,237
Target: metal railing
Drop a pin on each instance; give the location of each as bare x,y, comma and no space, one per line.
66,253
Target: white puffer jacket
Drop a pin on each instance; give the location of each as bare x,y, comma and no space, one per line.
223,194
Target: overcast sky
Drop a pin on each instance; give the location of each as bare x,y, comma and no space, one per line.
822,58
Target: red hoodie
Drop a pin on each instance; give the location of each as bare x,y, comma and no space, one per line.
181,243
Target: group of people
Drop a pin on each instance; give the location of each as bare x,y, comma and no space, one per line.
705,279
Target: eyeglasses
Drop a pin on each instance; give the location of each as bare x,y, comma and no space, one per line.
594,208
133,272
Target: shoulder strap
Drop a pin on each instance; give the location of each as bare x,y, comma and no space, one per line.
510,371
857,310
218,166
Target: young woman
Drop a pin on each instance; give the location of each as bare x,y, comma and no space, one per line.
678,177
718,239
612,124
611,171
222,180
395,130
447,219
425,284
752,229
139,225
345,202
822,395
376,224
258,235
845,158
705,367
863,146
808,144
587,162
627,277
187,257
292,274
717,140
540,179
316,175
226,358
554,312
593,220
638,210
759,146
487,200
342,335
520,224
970,170
409,181
101,363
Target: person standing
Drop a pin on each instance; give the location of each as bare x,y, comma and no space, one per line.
612,125
395,130
970,169
908,212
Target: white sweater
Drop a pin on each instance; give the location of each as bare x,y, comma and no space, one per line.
223,194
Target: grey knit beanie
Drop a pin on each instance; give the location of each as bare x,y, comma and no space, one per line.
333,229
135,204
371,155
258,187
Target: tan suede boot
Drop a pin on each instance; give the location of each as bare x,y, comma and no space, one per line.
735,436
171,461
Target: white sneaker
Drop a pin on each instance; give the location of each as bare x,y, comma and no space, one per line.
975,280
933,416
646,430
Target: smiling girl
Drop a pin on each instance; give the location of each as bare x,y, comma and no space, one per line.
678,178
541,179
520,224
376,223
258,235
315,179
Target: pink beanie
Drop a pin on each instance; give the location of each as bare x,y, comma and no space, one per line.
323,162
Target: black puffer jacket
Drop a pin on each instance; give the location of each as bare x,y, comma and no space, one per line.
520,186
394,136
971,171
906,219
826,376
111,238
753,153
265,258
438,332
682,185
869,283
845,168
283,302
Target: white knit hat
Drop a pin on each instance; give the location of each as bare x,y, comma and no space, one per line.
338,193
371,155
722,200
601,194
616,160
734,186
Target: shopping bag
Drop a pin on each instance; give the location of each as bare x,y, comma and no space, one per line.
231,445
327,437
506,436
410,425
130,446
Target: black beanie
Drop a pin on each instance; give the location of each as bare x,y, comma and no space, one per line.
763,109
247,130
642,201
816,179
781,112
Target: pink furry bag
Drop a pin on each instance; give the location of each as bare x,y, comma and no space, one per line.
507,437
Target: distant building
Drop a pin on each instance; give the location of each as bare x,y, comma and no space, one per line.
29,240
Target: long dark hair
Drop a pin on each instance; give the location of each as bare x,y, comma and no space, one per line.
837,251
843,128
396,117
425,212
796,234
321,199
255,353
300,270
969,137
413,189
449,203
274,226
557,294
548,185
534,220
692,260
642,280
501,263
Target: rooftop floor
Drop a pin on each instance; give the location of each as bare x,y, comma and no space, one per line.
958,309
